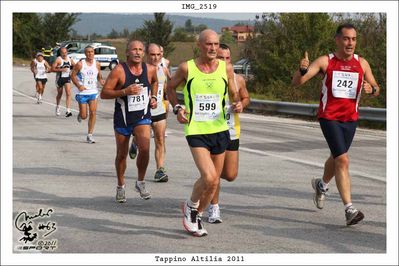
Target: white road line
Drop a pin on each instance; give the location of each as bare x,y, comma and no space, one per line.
352,172
33,98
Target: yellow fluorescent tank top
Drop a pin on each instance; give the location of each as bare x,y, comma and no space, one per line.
233,119
205,98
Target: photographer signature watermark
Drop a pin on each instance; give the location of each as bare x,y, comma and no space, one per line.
36,229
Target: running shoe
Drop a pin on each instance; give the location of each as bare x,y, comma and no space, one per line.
90,139
68,114
320,194
57,111
214,214
79,118
144,194
120,194
133,150
201,230
353,216
39,99
190,218
160,175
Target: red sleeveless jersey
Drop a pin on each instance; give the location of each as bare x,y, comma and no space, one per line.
341,90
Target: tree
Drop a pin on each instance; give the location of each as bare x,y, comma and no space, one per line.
58,26
32,31
27,36
276,52
188,26
227,37
282,39
158,31
124,33
180,35
113,34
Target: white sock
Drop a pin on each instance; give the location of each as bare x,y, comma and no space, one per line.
324,185
215,205
192,204
68,110
123,186
347,206
140,182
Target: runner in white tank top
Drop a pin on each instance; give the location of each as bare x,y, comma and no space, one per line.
158,115
62,66
40,68
85,75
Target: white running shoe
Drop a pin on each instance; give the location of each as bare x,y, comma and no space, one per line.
90,139
201,229
140,187
120,195
57,111
190,218
214,214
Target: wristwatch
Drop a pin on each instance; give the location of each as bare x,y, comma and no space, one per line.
177,108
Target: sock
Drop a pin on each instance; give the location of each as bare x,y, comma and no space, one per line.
323,185
140,182
215,205
347,206
192,204
123,186
68,110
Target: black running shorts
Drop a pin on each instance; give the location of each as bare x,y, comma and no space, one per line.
339,135
233,145
62,81
216,143
158,118
43,81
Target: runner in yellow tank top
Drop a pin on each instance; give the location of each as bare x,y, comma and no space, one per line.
207,81
230,168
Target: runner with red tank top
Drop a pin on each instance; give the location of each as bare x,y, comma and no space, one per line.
345,75
341,90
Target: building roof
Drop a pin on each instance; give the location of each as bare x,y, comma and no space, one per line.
246,28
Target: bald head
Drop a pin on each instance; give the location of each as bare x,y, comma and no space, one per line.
153,46
208,43
63,52
206,34
154,54
134,43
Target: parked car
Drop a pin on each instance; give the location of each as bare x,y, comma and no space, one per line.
243,66
104,54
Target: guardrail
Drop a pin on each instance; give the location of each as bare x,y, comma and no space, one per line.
365,113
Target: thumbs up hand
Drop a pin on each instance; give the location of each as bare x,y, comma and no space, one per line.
304,65
367,87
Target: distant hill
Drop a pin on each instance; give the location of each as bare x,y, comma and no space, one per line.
103,23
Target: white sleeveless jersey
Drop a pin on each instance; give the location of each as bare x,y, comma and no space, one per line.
161,106
87,77
40,70
233,119
65,64
164,62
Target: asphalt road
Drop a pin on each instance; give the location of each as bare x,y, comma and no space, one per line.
267,210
